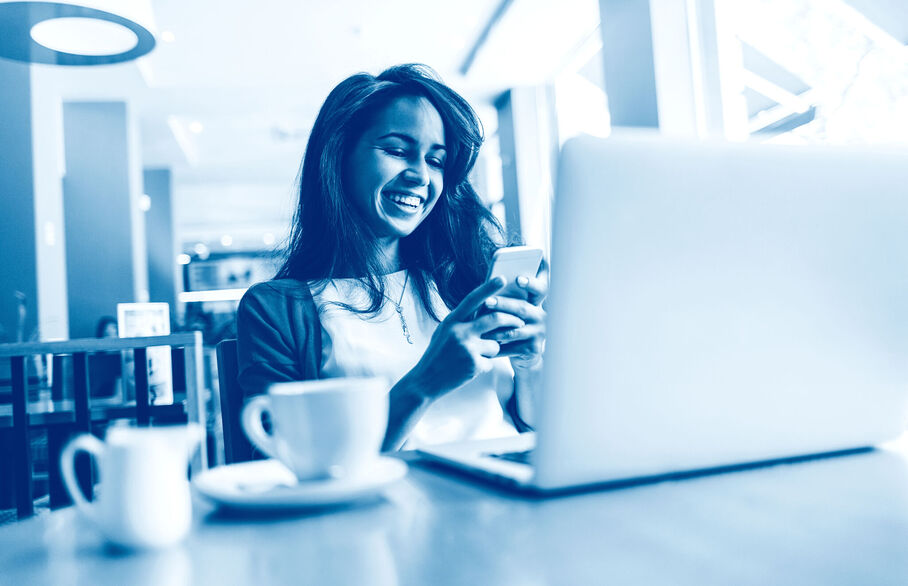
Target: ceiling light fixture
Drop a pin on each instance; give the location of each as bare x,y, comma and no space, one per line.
94,32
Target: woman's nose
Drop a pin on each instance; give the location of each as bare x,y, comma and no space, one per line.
417,172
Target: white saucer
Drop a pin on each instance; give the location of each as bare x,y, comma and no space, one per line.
268,484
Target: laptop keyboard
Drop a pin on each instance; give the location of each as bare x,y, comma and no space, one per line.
524,457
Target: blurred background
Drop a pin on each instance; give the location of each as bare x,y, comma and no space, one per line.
149,148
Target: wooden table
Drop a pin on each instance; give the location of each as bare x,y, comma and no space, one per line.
834,521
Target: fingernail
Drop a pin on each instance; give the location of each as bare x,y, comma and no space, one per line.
523,281
491,302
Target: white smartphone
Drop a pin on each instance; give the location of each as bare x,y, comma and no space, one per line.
513,262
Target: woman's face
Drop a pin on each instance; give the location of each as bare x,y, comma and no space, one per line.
395,172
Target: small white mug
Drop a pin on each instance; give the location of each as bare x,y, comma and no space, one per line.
144,499
321,429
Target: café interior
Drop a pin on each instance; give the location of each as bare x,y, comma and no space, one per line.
149,156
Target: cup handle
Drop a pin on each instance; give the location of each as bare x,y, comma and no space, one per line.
85,443
251,419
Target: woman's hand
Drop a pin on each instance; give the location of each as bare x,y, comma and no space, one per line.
461,348
523,345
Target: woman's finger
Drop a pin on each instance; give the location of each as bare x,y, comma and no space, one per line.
488,348
532,346
475,299
537,288
523,309
495,320
512,335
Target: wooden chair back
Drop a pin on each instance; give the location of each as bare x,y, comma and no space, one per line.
236,446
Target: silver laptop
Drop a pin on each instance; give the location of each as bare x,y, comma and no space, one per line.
714,306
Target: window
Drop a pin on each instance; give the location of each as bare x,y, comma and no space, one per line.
823,71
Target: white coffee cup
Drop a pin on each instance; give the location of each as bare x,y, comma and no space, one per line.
321,429
143,500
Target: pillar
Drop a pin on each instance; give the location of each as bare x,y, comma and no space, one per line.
32,277
160,238
105,230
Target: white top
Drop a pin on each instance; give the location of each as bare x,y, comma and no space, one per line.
363,345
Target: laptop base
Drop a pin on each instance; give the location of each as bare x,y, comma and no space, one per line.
523,485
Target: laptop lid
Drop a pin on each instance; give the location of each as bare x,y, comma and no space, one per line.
713,304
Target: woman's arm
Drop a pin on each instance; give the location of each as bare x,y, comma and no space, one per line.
408,403
525,347
527,388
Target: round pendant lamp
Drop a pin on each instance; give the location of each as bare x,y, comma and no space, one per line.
89,32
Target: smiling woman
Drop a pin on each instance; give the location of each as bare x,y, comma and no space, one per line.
386,266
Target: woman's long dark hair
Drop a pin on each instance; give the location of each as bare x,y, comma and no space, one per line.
329,239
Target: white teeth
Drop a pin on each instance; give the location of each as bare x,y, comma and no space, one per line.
407,200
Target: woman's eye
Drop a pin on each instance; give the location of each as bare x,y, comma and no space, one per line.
395,152
437,163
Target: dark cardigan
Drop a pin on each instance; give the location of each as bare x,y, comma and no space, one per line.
279,336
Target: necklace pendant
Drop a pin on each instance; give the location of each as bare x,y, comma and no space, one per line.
403,324
400,310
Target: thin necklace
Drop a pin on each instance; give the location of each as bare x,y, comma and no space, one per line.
400,310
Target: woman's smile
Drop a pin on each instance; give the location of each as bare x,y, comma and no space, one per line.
408,202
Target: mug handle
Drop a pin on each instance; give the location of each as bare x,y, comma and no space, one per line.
85,443
251,419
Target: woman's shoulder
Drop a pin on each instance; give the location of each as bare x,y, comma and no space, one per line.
278,334
283,287
277,292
